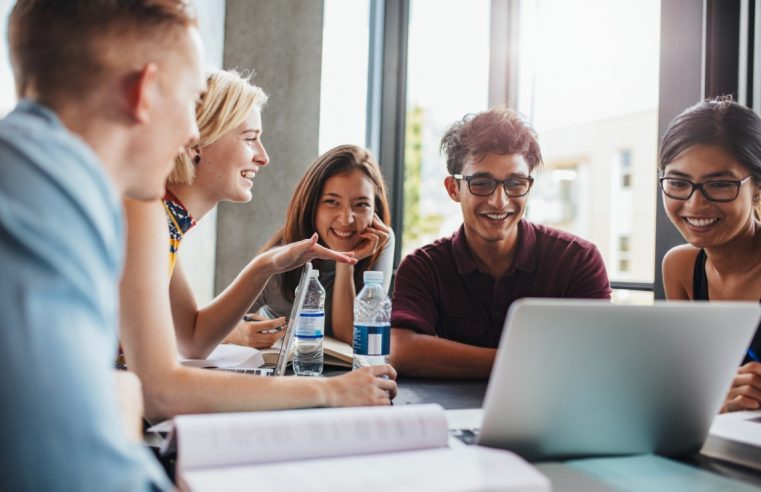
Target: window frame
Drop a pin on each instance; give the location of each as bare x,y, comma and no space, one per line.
699,53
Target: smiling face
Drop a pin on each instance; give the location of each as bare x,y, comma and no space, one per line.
344,210
490,218
228,165
704,223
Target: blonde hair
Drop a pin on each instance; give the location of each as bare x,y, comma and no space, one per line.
227,102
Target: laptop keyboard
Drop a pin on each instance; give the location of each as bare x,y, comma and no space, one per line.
259,371
468,436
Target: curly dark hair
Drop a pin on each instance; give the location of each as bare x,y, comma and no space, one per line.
500,131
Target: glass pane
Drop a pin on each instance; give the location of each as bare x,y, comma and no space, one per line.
447,77
624,296
588,82
343,88
7,86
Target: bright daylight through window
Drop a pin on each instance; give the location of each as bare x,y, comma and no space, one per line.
591,93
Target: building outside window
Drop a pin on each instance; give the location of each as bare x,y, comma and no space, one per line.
447,77
592,96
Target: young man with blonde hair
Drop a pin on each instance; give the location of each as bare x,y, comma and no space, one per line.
108,90
451,297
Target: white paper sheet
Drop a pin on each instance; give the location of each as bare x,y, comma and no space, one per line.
228,356
441,470
208,441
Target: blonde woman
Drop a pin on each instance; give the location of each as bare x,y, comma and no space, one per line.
220,167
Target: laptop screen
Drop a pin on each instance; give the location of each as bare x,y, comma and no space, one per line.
298,301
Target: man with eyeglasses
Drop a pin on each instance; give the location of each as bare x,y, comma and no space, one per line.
451,297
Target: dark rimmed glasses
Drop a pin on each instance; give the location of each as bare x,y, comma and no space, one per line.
715,190
515,186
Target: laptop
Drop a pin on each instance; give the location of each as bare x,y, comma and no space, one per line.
575,378
286,343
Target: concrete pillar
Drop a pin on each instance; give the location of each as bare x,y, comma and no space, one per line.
282,41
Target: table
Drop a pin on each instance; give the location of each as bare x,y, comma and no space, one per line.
575,475
693,473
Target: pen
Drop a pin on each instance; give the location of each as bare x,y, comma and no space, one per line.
753,355
273,330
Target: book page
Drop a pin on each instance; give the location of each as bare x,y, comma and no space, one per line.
227,356
337,353
472,468
738,426
207,441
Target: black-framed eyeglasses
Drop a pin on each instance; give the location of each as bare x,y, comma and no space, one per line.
515,186
715,190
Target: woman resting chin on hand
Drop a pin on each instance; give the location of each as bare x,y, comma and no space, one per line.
342,199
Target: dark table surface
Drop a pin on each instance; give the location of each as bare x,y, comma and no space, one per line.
449,394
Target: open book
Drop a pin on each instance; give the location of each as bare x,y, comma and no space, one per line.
735,437
378,448
236,358
335,353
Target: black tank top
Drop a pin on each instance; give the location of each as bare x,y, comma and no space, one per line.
700,293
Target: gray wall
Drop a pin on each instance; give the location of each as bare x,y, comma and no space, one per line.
288,69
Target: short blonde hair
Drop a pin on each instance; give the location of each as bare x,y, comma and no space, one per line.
227,102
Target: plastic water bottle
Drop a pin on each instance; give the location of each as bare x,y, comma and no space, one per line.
372,323
310,330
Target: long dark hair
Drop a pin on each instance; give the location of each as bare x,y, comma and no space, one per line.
302,210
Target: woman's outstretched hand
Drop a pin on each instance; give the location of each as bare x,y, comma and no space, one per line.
293,255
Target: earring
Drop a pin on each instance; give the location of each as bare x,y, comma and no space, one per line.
197,159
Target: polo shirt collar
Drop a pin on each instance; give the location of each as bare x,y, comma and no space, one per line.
30,107
525,260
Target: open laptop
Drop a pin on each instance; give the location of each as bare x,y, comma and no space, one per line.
577,378
286,343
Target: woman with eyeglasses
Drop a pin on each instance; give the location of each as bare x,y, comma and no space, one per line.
710,178
342,198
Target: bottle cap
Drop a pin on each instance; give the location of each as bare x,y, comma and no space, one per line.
314,273
373,276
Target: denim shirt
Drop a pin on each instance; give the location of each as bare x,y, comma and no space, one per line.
61,255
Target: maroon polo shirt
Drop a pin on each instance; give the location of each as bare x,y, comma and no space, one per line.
439,289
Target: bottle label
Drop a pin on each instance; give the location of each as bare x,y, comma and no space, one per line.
311,325
372,340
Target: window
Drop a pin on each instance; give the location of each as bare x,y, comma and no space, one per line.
554,199
592,96
343,87
447,77
623,254
7,86
625,168
599,85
